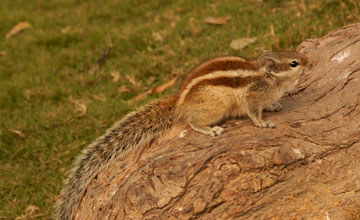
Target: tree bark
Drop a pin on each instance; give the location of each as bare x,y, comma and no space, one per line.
306,168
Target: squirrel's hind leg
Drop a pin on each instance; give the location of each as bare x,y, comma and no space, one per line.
202,121
212,131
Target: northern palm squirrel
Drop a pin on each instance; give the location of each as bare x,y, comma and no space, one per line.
217,89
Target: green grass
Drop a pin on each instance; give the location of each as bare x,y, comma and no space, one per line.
47,71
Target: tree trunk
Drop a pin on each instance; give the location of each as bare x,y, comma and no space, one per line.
308,167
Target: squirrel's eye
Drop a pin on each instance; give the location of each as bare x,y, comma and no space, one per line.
294,64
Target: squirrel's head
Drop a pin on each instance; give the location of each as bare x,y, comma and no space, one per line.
287,64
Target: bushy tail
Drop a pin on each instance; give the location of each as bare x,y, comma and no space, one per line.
133,130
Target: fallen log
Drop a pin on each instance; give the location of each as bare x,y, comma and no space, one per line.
305,168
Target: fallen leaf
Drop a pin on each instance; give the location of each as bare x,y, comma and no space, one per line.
150,80
17,29
94,69
143,96
100,97
123,89
303,6
157,19
21,217
217,21
177,72
241,43
18,132
66,30
157,37
162,88
315,6
29,93
169,15
31,209
149,14
80,107
2,53
132,80
214,6
115,75
29,213
272,30
156,90
196,30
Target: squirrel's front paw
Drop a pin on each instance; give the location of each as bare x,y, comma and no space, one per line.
265,124
215,131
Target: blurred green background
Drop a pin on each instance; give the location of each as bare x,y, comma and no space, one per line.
77,66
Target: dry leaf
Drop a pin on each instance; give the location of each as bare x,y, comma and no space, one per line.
157,37
315,6
123,88
170,15
150,80
157,89
2,53
17,29
65,30
241,43
157,19
29,93
18,132
31,209
80,107
217,21
177,72
162,88
115,75
132,80
149,14
196,30
100,97
94,68
29,213
272,30
143,96
303,6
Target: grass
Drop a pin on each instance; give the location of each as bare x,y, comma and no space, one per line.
55,100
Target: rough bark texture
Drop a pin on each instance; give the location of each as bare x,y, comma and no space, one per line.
306,168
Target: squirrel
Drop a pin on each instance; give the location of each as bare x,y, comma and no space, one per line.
217,89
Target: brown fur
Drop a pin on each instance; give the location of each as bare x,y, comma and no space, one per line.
225,63
137,127
215,90
213,97
232,82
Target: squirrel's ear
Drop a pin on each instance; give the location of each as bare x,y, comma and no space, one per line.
269,65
